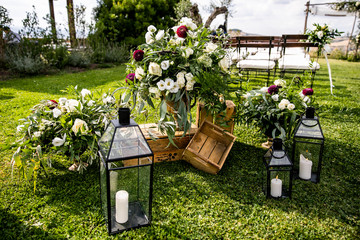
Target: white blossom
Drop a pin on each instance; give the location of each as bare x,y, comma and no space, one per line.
149,38
186,52
275,97
160,35
151,28
285,101
291,106
80,126
306,99
139,73
264,89
165,64
56,112
210,47
155,91
37,134
175,88
155,69
282,105
107,99
161,85
91,103
180,79
19,128
62,101
57,142
71,105
169,83
224,64
189,77
320,34
85,92
280,82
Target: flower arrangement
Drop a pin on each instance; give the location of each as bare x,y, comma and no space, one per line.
321,35
176,67
70,126
275,109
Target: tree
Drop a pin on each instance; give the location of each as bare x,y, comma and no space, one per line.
5,22
218,7
72,32
127,20
182,9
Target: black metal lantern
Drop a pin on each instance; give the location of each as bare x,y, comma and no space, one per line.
278,171
126,175
308,147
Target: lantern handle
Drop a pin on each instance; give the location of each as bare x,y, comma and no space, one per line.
271,153
307,125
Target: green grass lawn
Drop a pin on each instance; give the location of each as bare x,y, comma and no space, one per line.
188,203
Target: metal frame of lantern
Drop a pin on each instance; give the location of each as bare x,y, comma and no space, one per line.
126,182
277,162
309,133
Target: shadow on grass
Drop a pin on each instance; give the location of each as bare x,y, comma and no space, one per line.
9,222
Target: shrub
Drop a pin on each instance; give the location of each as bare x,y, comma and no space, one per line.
79,58
58,57
337,54
109,53
27,64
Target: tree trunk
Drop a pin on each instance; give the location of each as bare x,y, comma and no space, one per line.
52,19
195,15
72,32
213,15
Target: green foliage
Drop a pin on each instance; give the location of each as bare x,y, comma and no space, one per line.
182,9
120,21
321,35
26,63
79,58
5,20
188,203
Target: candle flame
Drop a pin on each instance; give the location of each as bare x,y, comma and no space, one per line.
307,150
276,177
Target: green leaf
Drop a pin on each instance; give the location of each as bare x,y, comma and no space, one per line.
163,110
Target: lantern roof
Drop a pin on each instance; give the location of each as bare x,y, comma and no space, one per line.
277,158
120,142
309,128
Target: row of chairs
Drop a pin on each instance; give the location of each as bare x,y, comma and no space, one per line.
272,54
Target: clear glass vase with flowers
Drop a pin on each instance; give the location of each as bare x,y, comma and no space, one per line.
174,69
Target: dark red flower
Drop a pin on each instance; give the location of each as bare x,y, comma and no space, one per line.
182,31
52,104
308,91
273,89
130,77
138,55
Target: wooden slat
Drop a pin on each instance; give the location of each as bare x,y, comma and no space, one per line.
298,44
217,152
208,147
198,142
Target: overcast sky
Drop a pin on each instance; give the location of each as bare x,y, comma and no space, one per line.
266,17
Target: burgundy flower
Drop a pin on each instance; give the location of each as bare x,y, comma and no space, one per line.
308,91
273,89
182,31
52,104
130,77
138,55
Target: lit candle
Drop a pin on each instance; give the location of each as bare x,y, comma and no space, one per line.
122,206
305,168
276,187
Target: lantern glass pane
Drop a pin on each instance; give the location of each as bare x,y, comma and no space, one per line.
105,140
278,158
128,142
284,176
309,128
103,190
310,150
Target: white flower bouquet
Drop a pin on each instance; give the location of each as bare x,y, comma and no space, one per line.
71,126
176,67
321,35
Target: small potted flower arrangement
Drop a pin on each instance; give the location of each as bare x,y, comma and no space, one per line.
69,126
274,109
175,68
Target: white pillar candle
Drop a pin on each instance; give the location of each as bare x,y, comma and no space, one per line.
305,168
276,187
122,206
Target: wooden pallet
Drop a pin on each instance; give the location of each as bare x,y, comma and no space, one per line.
163,151
209,148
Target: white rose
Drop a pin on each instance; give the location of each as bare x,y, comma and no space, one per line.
169,83
275,97
165,64
192,34
291,106
62,101
180,79
155,69
139,73
175,88
108,100
161,85
160,35
175,28
80,125
280,82
57,142
264,89
73,105
224,64
205,59
179,41
37,134
282,105
155,91
190,86
285,102
210,47
84,92
56,112
91,103
151,28
187,52
188,23
149,38
320,34
189,77
19,128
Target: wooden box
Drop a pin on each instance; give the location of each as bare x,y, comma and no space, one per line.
163,151
209,148
202,115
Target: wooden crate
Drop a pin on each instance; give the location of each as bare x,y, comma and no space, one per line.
164,152
209,148
202,115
